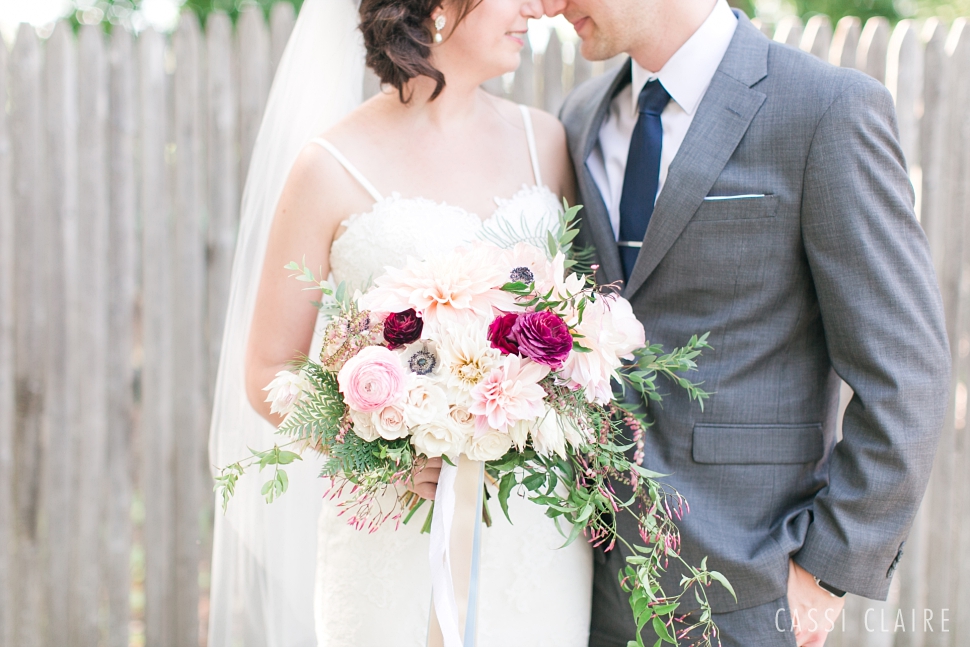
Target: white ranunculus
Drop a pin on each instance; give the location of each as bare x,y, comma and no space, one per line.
390,422
435,439
490,446
425,401
286,391
364,426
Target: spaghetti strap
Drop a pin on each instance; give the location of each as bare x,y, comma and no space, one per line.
337,155
531,136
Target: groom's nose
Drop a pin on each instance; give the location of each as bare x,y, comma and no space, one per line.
554,7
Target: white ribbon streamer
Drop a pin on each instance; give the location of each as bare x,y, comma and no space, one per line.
442,585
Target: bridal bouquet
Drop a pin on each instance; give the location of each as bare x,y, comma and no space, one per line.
508,354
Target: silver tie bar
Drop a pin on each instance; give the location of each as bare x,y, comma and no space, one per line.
636,244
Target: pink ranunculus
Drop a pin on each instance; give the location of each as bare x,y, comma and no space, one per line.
543,337
509,393
372,379
500,334
611,332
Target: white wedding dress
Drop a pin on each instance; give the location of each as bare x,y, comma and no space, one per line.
374,590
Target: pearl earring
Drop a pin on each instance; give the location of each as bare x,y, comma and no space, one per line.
439,24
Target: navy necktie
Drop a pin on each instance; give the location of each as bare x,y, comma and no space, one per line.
642,174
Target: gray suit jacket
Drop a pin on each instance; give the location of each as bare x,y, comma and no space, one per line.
826,276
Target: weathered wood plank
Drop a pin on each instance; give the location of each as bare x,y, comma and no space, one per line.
873,45
92,276
122,260
934,218
524,86
582,69
282,19
932,129
958,48
157,483
7,408
64,370
762,26
944,529
552,73
32,237
188,323
904,78
845,42
252,53
223,179
817,39
789,31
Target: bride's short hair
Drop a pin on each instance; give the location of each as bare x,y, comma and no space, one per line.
398,35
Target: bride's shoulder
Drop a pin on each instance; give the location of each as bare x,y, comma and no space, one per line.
553,152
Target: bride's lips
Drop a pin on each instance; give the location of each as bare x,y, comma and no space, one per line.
517,36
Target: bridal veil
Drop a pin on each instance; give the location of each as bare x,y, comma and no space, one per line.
264,554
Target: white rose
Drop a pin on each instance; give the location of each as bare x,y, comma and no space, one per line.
425,401
389,422
489,446
548,437
461,417
286,391
436,438
364,426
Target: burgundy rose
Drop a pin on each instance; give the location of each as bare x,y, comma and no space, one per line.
500,334
543,337
402,328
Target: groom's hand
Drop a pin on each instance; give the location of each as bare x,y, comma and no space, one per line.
814,611
424,478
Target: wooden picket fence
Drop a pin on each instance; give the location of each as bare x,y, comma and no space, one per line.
121,166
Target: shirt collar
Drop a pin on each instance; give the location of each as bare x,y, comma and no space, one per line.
689,72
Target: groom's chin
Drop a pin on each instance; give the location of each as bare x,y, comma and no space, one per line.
595,48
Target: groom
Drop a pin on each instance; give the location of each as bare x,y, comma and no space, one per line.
741,187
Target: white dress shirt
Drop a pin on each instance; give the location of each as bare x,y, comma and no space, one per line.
686,77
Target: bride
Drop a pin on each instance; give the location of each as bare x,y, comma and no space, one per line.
429,164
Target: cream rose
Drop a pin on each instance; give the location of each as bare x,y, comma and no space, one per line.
436,438
364,426
490,446
390,423
424,401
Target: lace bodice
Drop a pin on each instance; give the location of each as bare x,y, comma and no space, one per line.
399,227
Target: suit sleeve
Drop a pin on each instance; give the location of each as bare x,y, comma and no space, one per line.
885,333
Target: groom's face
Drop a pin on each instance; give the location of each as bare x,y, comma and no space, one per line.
607,27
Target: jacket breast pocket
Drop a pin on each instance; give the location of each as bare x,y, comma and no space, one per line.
741,207
758,444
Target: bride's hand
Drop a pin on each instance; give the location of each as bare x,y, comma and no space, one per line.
424,478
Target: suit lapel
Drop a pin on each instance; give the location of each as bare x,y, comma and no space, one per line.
595,213
722,119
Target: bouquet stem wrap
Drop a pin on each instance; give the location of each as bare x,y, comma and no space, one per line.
455,553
